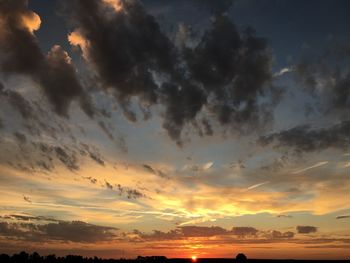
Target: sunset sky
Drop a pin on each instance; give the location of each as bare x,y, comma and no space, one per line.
178,128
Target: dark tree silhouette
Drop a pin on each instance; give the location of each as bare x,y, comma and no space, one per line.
241,258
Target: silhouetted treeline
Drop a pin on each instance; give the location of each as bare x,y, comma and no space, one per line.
24,257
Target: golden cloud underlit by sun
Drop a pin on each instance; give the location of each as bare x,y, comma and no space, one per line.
76,39
115,4
31,21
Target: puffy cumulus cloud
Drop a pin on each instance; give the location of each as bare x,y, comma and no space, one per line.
32,21
224,76
21,54
61,84
306,229
25,19
224,62
75,38
19,48
116,4
74,231
123,47
304,139
182,103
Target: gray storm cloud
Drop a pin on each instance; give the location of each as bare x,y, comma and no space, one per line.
226,73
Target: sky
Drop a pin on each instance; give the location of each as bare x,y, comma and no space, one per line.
175,128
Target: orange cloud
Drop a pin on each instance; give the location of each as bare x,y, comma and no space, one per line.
115,4
31,21
77,39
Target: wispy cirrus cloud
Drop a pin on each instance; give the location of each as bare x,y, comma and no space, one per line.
319,164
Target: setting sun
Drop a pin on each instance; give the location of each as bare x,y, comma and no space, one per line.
194,258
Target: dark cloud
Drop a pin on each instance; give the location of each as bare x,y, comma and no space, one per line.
343,217
44,157
279,235
45,165
93,153
142,47
329,246
27,199
284,216
109,186
129,192
183,232
149,168
182,103
61,85
69,159
19,47
31,218
18,102
208,129
97,158
237,234
326,75
305,139
244,231
11,230
226,73
233,68
106,130
91,179
202,231
154,171
306,229
21,54
159,235
276,165
20,137
75,231
134,194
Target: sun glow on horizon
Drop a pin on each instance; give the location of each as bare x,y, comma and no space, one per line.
194,258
